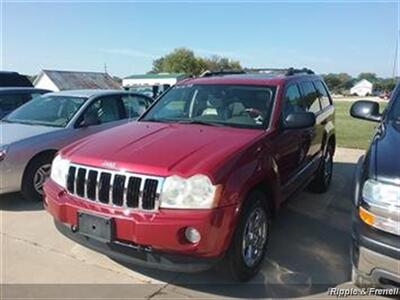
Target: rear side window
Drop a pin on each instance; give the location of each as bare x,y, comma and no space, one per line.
310,97
322,94
292,100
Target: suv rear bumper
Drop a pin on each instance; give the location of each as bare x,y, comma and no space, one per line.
141,256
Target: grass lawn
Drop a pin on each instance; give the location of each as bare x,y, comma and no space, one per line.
350,132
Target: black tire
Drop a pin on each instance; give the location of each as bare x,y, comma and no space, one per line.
30,182
323,177
235,263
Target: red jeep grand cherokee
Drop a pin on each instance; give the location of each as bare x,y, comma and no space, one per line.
198,178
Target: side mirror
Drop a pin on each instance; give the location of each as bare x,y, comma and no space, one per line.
300,120
366,110
89,120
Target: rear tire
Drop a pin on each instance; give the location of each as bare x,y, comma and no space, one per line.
323,177
37,171
249,244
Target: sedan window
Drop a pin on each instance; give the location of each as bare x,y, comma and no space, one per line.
134,105
54,111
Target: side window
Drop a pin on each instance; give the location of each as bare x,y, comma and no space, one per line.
134,106
322,94
10,102
292,100
104,110
310,99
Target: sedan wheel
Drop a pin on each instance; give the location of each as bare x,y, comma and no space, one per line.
40,176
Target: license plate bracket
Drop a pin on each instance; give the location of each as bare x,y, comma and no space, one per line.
97,227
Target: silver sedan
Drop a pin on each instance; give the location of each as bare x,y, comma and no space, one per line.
32,134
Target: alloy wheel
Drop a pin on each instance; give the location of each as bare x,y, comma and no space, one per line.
254,237
40,176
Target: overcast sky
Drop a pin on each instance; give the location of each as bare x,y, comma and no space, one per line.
336,36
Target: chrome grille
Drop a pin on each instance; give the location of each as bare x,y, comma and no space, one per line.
115,188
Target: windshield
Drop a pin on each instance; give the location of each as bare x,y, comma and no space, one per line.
231,105
54,111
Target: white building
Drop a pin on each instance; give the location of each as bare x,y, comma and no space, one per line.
362,88
150,80
68,80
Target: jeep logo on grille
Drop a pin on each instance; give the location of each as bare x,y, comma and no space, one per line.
109,164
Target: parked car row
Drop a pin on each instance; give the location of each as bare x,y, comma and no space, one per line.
198,179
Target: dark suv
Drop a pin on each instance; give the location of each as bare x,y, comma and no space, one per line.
13,97
376,217
198,178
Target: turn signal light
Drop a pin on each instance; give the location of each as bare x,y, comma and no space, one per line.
366,216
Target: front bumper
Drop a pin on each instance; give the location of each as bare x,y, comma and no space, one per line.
376,258
375,253
139,255
146,237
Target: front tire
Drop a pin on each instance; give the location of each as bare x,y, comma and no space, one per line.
323,177
35,175
247,251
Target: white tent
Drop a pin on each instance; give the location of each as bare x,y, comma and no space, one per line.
362,88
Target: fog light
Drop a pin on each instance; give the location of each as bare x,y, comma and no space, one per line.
192,235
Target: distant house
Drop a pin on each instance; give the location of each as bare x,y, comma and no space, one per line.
69,80
152,79
362,88
151,84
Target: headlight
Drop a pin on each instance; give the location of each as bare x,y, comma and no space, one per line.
196,192
380,206
59,171
381,193
3,152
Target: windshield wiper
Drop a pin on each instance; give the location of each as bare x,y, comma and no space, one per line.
158,120
198,122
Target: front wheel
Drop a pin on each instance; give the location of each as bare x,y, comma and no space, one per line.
248,248
323,177
35,175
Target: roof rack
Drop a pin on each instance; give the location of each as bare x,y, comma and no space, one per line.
221,73
286,72
293,71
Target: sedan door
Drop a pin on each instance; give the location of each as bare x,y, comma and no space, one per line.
110,111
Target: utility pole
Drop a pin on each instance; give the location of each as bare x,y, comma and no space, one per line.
105,68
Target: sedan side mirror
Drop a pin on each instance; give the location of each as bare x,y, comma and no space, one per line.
300,120
366,110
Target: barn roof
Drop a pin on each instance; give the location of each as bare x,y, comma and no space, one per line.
71,80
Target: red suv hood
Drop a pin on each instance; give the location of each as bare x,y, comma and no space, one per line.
161,149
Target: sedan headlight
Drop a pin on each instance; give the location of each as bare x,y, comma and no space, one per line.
196,192
59,171
380,206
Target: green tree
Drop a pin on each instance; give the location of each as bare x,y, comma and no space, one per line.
183,60
371,77
339,83
180,60
218,63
